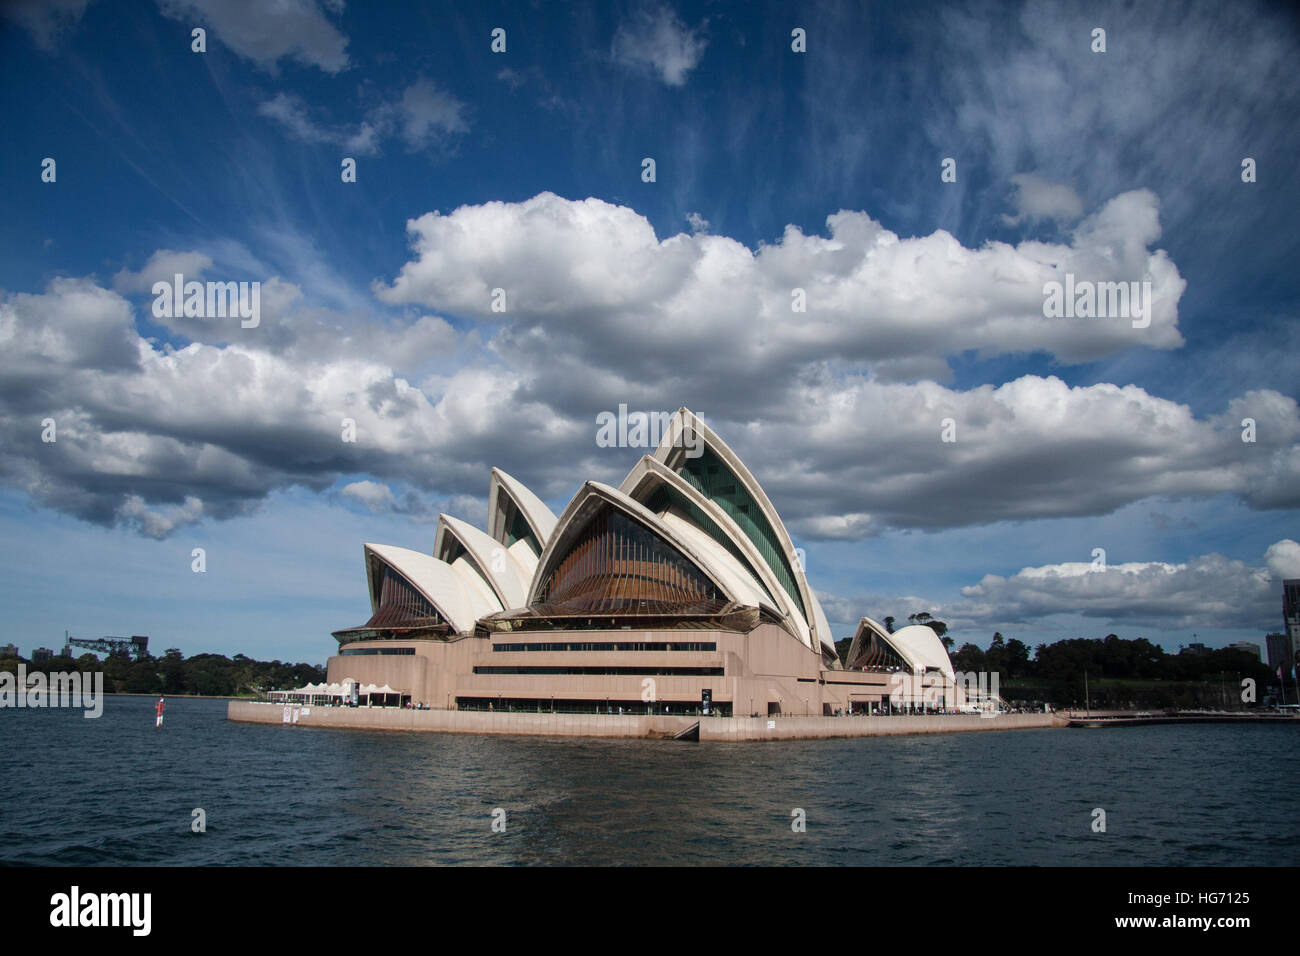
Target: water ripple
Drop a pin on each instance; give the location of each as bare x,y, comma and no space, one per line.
117,791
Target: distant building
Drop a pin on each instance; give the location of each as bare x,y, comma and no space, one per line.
42,655
67,651
1246,646
1279,653
1199,650
1291,614
9,650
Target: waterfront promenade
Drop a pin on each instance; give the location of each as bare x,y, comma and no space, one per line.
628,726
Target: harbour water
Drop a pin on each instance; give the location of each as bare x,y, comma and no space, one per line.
116,791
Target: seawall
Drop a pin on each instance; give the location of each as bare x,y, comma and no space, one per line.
458,721
805,728
1095,722
602,725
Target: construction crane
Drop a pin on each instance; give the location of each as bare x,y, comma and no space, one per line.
135,647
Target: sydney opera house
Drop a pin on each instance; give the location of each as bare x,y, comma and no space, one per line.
678,592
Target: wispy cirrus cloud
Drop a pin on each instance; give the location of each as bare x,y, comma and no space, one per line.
423,117
266,33
45,20
658,42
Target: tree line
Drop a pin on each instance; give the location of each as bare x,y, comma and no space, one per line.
211,675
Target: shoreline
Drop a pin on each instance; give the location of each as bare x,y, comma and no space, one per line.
1188,718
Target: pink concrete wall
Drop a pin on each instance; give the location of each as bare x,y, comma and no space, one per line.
462,721
599,725
803,728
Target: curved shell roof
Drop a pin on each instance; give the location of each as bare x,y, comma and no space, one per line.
822,626
503,573
439,583
916,644
649,473
573,520
721,564
686,429
539,517
749,557
921,647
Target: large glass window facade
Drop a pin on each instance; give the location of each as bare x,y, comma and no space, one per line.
600,671
874,654
715,481
397,602
515,524
665,497
609,646
615,563
633,708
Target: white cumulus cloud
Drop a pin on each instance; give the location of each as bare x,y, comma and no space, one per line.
1209,591
595,279
375,495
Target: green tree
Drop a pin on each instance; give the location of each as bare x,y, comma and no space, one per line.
116,671
142,677
970,658
995,657
171,671
1016,657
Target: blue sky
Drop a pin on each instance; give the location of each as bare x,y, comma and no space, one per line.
774,170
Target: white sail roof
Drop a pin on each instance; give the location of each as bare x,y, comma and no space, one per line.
498,567
686,435
439,583
822,626
540,518
921,646
649,473
736,539
722,565
918,645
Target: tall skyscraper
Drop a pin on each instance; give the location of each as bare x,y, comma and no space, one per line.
1291,613
1279,653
